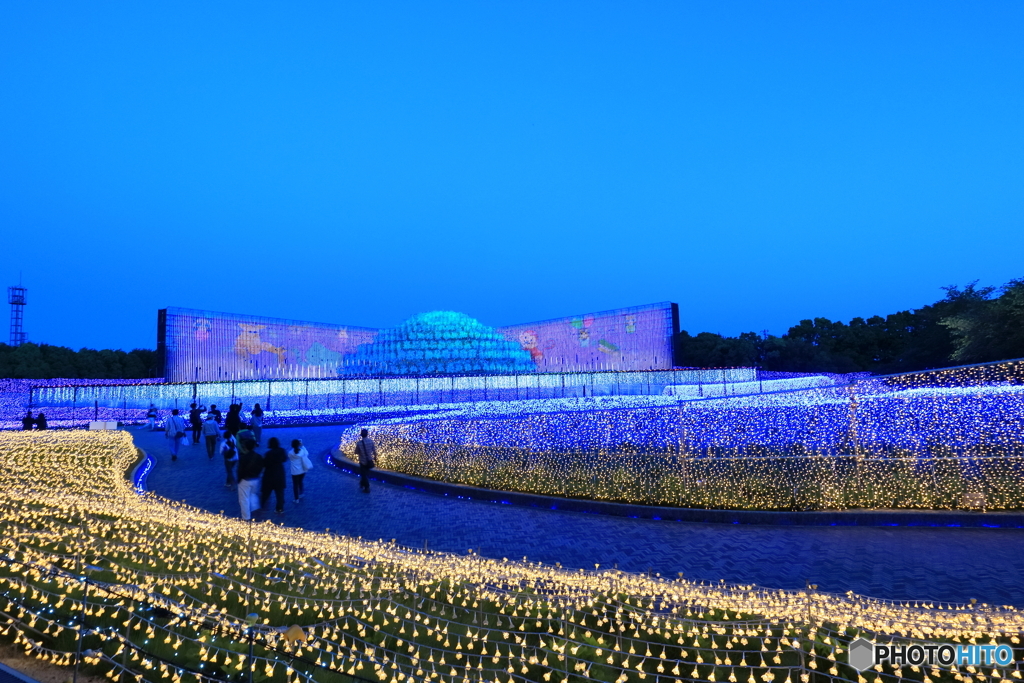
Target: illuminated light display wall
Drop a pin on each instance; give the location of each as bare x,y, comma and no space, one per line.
439,343
935,440
637,338
312,401
208,346
752,387
162,591
16,396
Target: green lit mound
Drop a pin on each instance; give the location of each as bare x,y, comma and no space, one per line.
440,343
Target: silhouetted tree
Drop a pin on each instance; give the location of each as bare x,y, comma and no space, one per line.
43,361
989,329
968,325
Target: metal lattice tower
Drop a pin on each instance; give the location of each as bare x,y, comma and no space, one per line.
16,298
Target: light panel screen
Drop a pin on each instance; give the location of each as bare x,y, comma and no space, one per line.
636,338
203,346
206,346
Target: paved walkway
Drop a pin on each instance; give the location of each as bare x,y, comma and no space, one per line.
942,564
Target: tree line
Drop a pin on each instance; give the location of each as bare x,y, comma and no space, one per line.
969,325
43,361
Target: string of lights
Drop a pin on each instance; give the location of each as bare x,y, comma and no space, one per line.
74,403
152,590
949,439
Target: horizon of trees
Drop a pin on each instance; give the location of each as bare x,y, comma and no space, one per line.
969,325
43,361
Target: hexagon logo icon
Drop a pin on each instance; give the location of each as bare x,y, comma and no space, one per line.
862,654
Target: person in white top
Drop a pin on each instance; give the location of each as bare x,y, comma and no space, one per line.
212,433
174,428
299,464
151,418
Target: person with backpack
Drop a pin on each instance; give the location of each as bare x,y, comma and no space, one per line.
174,430
366,450
229,449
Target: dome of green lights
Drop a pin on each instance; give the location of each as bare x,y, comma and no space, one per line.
440,343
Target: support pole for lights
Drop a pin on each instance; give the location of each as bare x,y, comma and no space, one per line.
250,620
86,569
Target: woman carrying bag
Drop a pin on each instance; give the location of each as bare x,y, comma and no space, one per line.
174,428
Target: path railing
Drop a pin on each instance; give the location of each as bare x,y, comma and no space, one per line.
324,400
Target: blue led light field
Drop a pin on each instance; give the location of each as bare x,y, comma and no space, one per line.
939,440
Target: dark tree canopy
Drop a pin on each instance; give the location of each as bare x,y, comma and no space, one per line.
42,361
969,325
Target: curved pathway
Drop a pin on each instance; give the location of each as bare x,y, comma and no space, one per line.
942,564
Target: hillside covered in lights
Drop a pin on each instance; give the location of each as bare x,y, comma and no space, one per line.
948,439
167,589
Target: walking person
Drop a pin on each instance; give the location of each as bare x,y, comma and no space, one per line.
27,422
216,413
250,467
174,430
229,450
367,452
298,464
233,420
256,422
151,416
195,418
273,474
211,431
40,421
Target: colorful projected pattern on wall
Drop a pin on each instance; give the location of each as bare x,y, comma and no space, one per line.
207,346
637,338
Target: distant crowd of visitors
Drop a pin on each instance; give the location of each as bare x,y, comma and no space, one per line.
259,476
256,476
175,426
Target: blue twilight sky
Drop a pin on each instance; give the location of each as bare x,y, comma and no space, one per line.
758,163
